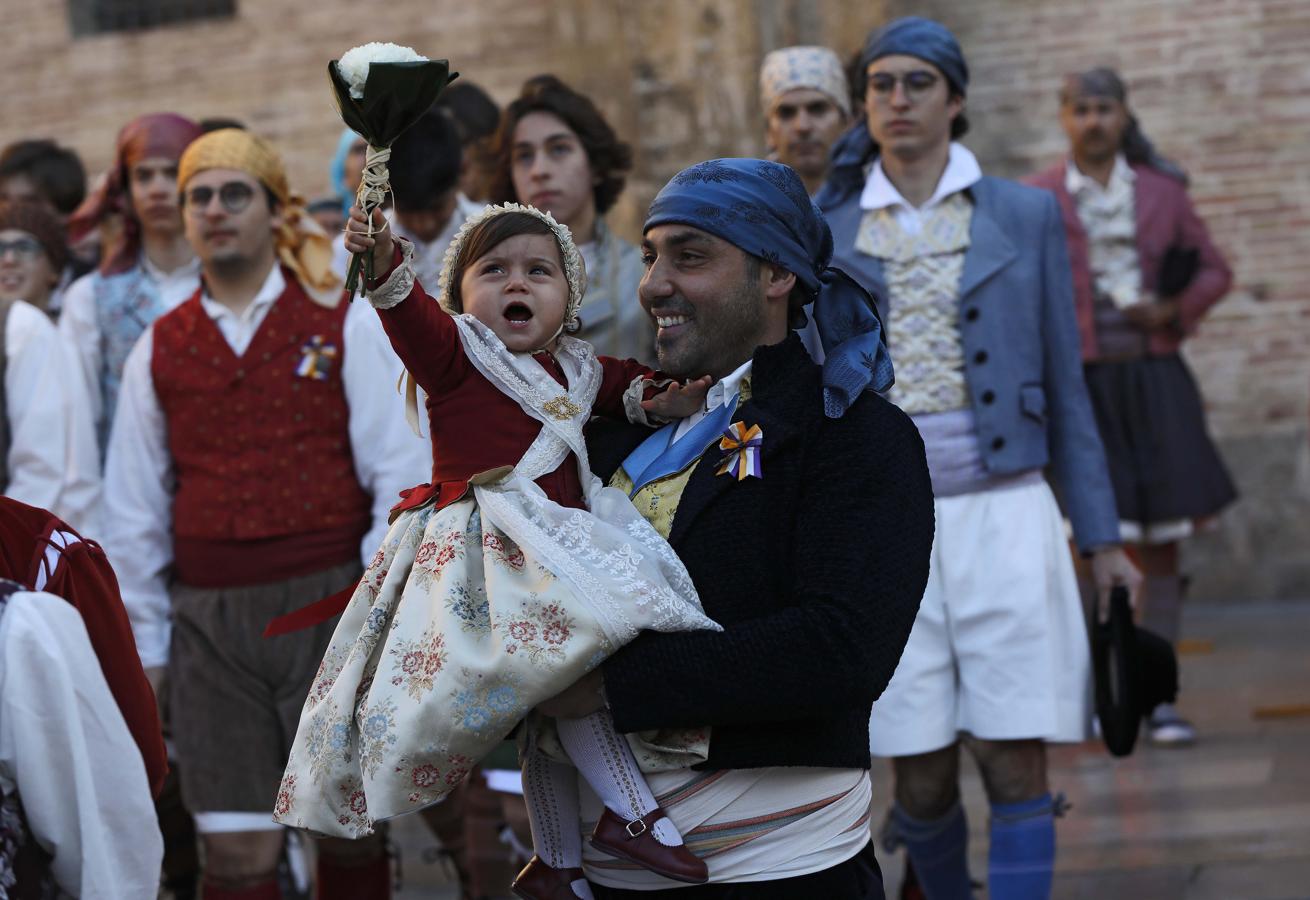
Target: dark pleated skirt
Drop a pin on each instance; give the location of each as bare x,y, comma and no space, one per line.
1162,462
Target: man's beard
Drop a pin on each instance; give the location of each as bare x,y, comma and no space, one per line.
721,341
1097,146
232,266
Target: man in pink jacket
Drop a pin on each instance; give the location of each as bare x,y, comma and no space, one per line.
1144,274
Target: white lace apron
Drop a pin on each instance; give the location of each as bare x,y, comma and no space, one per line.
471,615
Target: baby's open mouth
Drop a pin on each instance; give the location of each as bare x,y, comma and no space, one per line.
518,313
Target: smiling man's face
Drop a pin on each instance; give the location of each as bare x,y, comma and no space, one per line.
25,270
708,300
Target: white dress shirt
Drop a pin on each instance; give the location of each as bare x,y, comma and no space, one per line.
721,393
79,324
67,751
962,171
139,469
53,457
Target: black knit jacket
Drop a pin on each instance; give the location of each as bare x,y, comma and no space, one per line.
815,571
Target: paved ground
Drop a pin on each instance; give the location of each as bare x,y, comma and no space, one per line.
1226,819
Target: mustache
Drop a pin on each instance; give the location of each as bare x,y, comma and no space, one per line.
676,305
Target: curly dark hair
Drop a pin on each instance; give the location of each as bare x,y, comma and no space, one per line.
610,158
56,171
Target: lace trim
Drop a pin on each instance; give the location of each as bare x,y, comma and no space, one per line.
632,402
539,395
565,540
399,283
575,272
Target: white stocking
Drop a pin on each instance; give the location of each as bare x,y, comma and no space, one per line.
605,760
551,792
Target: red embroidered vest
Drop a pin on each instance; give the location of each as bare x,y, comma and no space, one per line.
260,443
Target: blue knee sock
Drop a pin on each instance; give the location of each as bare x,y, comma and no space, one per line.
1022,858
939,851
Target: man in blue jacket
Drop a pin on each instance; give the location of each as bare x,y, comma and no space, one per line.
974,282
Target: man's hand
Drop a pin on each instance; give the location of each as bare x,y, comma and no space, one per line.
583,698
1153,315
358,241
677,401
1111,568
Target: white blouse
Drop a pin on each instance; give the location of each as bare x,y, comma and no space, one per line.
53,459
67,751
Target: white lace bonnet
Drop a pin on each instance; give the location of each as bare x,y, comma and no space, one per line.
575,272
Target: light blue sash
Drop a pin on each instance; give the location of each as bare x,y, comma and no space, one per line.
659,455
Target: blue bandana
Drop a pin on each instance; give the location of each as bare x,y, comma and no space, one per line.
762,208
911,36
922,38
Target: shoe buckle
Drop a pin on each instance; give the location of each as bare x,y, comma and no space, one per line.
639,832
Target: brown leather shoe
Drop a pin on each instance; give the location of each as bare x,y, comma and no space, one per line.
634,842
539,881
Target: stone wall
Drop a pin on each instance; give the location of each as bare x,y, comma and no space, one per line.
1221,85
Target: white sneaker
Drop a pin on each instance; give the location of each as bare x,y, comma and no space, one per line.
1168,728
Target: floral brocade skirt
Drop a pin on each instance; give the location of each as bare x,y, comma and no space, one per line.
455,632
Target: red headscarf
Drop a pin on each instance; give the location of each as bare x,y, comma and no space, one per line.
159,134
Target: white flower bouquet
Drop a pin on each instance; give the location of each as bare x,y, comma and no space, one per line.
381,90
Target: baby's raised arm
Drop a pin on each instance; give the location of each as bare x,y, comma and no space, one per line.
632,391
421,332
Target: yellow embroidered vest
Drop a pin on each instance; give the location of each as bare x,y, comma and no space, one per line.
658,501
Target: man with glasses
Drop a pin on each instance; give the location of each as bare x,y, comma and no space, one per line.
258,445
40,171
973,279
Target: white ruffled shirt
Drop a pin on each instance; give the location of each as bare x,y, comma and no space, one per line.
1109,216
53,458
67,751
139,473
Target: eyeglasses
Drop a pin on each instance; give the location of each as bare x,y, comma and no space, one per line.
917,83
24,249
235,196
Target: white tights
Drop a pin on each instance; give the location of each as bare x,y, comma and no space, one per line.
602,756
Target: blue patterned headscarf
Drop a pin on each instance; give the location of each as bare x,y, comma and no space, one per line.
913,36
921,38
762,208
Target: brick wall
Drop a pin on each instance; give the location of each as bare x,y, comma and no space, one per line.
1221,85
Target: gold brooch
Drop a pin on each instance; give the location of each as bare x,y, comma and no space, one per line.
562,408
